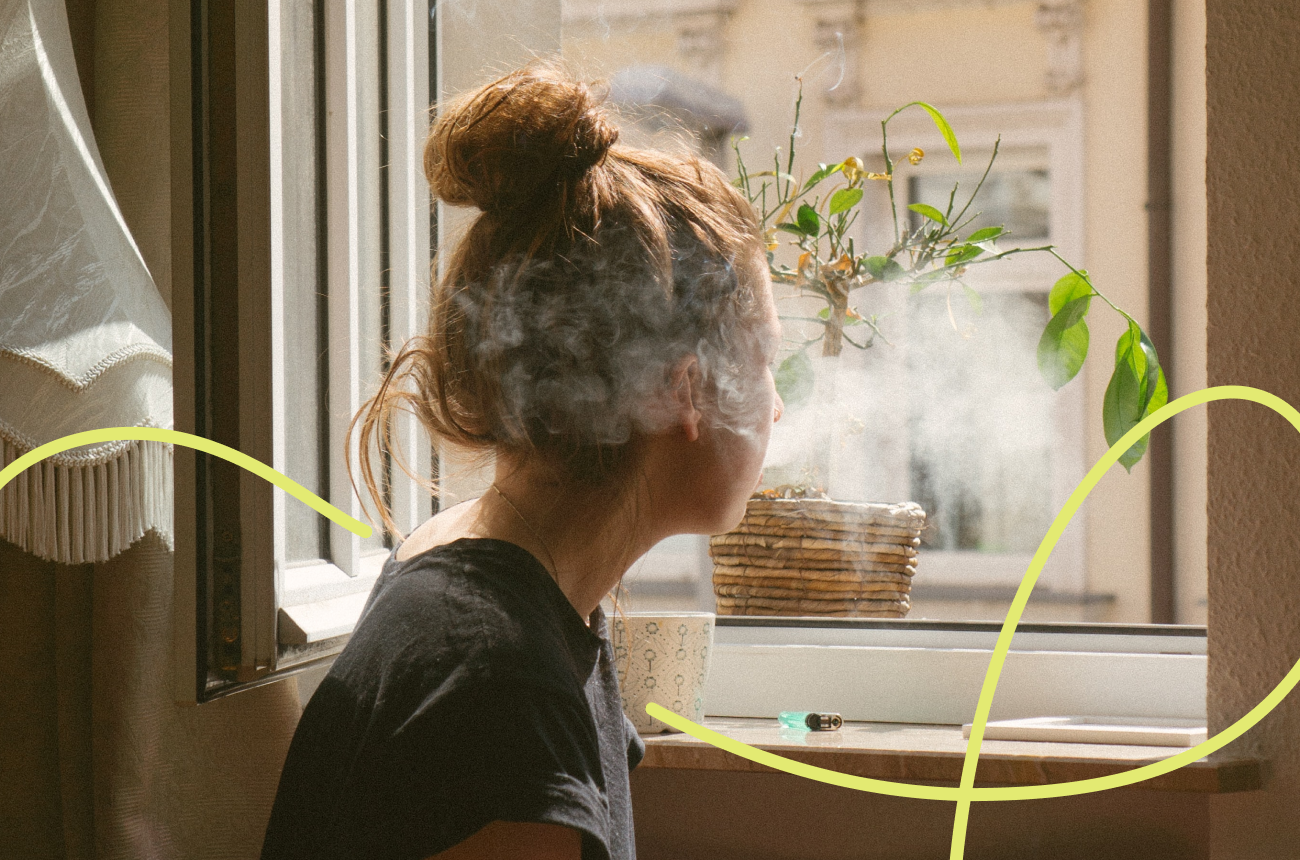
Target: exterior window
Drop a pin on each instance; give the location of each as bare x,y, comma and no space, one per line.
1019,200
952,415
975,436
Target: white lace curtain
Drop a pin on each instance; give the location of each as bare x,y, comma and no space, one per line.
96,758
85,338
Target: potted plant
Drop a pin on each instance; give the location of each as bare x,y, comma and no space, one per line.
798,552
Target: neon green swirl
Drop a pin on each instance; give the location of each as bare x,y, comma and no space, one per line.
198,443
966,792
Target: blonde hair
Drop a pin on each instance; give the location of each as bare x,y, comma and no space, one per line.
591,269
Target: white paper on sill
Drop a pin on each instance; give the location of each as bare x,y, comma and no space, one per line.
1135,731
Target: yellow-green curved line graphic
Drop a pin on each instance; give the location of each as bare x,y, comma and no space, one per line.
966,792
198,443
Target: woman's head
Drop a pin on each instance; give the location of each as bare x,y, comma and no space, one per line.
593,275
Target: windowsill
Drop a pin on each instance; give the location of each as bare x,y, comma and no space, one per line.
934,754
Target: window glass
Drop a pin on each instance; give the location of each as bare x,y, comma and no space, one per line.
980,422
1019,201
305,333
372,220
948,407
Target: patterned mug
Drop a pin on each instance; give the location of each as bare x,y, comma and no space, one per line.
662,657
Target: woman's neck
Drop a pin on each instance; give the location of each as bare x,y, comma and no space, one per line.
587,539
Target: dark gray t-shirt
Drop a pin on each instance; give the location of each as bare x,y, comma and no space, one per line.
470,691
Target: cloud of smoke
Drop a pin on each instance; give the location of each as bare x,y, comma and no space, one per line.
585,346
955,417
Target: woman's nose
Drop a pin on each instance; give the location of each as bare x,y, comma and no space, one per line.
779,409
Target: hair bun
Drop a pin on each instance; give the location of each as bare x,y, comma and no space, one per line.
498,147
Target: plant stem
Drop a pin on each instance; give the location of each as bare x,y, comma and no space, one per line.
889,170
1051,249
976,192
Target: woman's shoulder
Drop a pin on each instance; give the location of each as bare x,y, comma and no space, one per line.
477,607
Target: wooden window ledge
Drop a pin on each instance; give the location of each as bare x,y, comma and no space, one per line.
934,754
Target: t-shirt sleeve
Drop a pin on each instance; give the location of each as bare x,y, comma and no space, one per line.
510,751
635,745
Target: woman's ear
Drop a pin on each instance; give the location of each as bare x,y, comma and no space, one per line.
684,383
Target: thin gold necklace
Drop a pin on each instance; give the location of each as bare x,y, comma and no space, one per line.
554,571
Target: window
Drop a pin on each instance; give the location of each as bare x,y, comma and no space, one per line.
1068,172
327,247
349,291
307,267
975,436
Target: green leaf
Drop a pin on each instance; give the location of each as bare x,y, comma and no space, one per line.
1066,290
1155,373
807,220
1121,410
929,212
984,235
794,378
845,198
787,227
823,171
1064,344
1137,388
882,268
978,304
944,129
962,253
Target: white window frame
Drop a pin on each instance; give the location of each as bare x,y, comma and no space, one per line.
1054,128
291,616
932,672
317,604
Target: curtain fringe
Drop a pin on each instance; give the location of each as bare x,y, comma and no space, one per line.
75,514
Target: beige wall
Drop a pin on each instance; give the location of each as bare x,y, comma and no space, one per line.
1253,338
1187,373
1119,547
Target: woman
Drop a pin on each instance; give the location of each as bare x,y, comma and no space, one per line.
605,329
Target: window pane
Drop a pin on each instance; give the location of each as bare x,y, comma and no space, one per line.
981,424
306,421
372,195
951,409
1017,200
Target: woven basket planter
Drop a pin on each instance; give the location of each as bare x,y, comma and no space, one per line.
818,557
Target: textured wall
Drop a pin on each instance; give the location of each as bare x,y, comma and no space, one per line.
1253,338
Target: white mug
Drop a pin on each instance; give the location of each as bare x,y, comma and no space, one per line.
662,657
